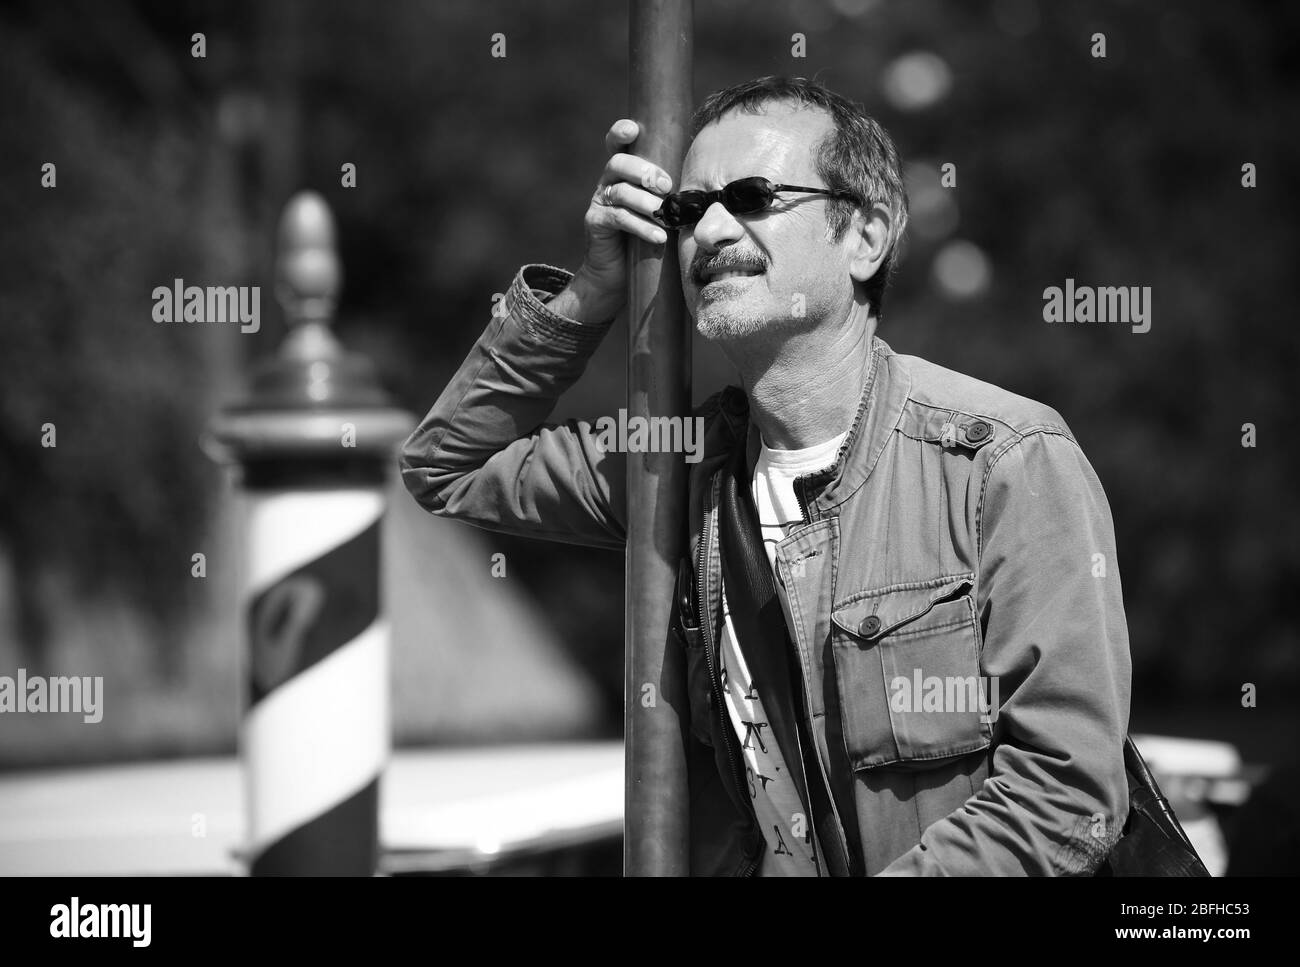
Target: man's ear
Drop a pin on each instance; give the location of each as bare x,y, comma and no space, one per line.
869,236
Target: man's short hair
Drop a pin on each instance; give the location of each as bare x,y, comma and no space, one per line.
858,156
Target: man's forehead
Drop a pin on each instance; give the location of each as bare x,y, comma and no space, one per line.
777,142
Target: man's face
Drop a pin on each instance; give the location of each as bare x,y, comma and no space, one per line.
794,276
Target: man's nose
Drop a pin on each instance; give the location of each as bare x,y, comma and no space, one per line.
717,227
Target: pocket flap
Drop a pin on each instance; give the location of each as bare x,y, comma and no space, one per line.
908,677
880,612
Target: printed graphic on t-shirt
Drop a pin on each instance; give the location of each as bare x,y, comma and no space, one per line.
791,846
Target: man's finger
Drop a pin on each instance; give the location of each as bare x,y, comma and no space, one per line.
629,196
621,132
638,171
636,225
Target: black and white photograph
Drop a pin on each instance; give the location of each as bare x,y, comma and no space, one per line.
649,438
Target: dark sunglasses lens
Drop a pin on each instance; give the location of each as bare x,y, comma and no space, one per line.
747,196
682,209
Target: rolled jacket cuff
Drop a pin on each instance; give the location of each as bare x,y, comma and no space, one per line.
533,287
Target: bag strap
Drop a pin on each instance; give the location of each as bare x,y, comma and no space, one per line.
1137,768
764,640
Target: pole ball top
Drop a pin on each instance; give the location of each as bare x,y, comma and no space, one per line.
308,272
303,394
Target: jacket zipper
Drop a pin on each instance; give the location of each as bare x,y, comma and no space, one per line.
718,699
801,495
830,795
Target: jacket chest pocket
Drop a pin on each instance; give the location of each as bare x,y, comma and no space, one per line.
908,676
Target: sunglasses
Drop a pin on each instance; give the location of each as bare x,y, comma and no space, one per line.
743,197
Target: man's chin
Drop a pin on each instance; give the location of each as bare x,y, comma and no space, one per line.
721,322
724,326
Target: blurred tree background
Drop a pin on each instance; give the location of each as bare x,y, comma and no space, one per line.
1122,170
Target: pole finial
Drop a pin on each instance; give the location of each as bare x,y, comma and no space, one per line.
311,390
308,272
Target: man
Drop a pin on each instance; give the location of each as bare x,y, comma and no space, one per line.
931,673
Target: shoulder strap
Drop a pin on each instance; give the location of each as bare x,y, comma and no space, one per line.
764,640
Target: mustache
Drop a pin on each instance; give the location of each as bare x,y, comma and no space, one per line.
725,261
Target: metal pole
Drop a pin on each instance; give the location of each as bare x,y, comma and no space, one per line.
314,442
659,374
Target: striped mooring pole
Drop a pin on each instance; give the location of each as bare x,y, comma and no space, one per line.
314,442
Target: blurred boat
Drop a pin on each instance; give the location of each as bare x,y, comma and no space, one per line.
535,808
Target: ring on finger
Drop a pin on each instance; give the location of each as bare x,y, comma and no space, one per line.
607,196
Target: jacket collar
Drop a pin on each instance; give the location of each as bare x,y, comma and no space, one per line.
879,409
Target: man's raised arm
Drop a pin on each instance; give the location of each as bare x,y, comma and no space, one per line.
484,453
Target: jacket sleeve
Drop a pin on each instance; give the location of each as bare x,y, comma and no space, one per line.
483,453
1056,642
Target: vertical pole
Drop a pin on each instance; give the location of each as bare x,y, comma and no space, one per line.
655,818
314,442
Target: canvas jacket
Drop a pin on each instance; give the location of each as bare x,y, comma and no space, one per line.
961,539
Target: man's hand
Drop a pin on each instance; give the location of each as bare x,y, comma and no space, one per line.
629,192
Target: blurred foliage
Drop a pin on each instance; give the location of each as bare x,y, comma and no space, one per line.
1117,171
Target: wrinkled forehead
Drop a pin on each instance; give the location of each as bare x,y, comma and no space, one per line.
777,143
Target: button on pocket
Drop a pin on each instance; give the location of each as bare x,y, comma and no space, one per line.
870,626
977,430
907,674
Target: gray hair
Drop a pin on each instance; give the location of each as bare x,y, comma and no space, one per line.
859,156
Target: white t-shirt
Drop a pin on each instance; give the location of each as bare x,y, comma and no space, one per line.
791,848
